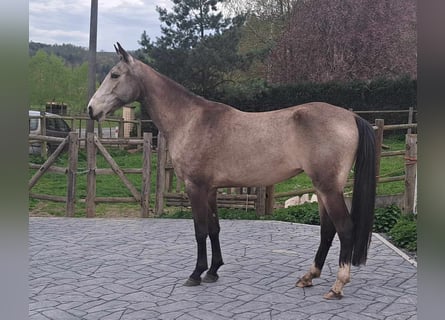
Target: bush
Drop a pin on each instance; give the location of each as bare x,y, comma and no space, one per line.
404,233
237,214
305,213
386,218
378,94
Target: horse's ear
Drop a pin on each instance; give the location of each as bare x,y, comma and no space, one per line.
123,54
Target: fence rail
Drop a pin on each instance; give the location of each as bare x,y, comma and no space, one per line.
170,190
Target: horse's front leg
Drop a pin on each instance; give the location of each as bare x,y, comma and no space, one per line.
198,198
214,230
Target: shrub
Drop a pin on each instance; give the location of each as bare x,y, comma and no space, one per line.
305,213
404,233
386,218
237,214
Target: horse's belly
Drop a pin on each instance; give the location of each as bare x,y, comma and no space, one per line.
246,174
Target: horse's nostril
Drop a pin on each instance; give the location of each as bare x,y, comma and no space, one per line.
90,112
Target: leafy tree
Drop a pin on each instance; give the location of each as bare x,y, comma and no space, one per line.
47,77
50,79
265,22
343,40
198,46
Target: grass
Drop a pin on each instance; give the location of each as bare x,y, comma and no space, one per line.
111,185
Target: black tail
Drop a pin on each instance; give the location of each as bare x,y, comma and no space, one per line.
363,199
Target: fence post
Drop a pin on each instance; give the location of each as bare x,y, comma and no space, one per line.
410,173
146,175
43,145
260,203
91,176
120,133
380,123
160,174
72,174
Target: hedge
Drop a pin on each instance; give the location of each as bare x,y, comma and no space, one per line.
380,94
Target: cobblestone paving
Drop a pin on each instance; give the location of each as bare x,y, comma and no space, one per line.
134,269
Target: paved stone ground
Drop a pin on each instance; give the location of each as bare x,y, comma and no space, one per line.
134,269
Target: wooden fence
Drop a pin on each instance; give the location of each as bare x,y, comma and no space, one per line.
170,190
93,146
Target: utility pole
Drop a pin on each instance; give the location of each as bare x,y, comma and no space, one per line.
92,58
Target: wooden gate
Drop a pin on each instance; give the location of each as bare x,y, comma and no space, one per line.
93,144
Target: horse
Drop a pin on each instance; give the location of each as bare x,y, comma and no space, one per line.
214,145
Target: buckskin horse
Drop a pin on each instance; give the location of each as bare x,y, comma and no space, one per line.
214,145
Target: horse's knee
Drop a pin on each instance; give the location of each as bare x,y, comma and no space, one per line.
201,236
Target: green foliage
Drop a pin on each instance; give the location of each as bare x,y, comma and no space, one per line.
358,95
198,46
404,233
178,214
305,213
386,218
50,79
237,214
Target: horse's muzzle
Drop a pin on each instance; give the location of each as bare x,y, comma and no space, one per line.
92,115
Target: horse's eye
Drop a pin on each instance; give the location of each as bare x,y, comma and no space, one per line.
114,75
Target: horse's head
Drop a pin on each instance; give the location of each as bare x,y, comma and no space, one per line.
119,87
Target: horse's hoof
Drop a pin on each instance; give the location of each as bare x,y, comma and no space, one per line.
210,278
332,295
303,283
192,282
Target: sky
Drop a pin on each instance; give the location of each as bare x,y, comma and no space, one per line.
68,21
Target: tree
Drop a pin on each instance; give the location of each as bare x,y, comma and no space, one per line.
198,46
265,21
342,40
50,79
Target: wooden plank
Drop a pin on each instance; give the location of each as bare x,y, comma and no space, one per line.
392,153
117,170
126,171
410,172
107,141
47,197
44,167
72,174
38,137
233,197
52,169
115,200
91,176
146,175
390,127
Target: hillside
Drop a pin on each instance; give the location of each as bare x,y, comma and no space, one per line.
75,56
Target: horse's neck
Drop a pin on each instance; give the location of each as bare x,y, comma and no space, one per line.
169,105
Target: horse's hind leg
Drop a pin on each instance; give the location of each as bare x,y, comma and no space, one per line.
199,200
327,233
339,215
214,229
